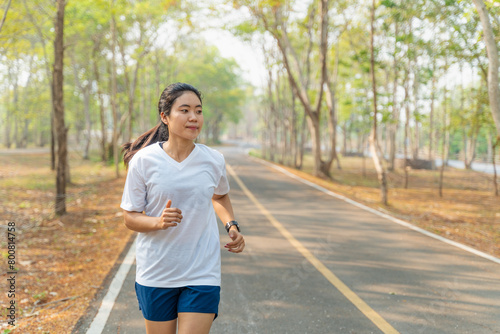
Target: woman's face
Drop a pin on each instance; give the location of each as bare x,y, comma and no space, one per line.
186,117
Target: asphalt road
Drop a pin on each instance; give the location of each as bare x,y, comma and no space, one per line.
390,278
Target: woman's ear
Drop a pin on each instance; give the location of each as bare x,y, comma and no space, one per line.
163,118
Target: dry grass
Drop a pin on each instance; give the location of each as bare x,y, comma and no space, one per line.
61,261
468,212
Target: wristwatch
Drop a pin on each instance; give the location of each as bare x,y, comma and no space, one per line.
232,223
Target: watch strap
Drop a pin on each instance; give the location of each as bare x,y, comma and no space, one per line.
232,223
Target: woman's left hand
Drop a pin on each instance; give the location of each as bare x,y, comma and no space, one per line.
238,243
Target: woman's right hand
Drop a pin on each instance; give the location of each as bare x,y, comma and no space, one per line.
170,216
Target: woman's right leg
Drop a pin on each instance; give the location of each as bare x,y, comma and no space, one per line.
161,327
160,306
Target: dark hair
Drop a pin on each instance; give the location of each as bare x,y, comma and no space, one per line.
160,131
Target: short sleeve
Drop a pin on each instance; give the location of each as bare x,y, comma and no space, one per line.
223,186
134,192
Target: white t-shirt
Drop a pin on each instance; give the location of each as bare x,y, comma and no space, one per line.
189,253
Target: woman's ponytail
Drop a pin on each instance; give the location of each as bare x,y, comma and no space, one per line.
156,134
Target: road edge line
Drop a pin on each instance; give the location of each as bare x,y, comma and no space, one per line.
99,322
359,303
382,214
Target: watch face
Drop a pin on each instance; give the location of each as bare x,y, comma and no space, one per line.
232,223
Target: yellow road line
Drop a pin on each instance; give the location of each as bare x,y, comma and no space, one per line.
370,313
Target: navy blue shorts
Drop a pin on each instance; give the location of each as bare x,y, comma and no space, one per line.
163,304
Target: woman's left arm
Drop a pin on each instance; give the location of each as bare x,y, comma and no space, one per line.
224,209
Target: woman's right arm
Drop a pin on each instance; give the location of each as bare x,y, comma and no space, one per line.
140,222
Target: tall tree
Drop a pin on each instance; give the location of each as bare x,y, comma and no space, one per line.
374,145
42,39
274,18
58,101
492,51
114,89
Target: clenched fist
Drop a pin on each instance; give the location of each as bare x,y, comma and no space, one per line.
170,216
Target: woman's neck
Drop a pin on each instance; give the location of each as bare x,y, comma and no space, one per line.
178,149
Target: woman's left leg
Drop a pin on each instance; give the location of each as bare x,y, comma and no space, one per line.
194,323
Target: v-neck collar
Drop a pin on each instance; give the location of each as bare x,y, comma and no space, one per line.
172,161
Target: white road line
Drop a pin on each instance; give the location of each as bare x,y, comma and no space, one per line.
391,218
108,302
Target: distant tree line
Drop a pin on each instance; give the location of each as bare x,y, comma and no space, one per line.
116,56
396,78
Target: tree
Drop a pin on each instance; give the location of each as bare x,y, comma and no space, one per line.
58,101
5,15
275,19
216,77
492,51
374,146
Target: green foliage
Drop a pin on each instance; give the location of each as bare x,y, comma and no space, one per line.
416,42
217,78
144,41
245,29
388,3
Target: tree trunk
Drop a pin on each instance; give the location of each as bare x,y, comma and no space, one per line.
303,137
8,116
279,119
116,131
51,85
374,147
131,88
88,122
272,113
142,103
443,155
25,134
445,145
15,109
52,135
102,117
24,138
61,130
431,115
393,126
325,166
332,118
416,133
85,90
495,183
294,133
314,129
489,143
407,126
492,50
5,14
472,148
16,131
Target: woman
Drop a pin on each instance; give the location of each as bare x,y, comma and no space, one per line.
173,189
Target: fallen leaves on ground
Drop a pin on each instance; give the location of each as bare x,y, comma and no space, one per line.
61,261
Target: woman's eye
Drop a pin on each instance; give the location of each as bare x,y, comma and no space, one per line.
199,111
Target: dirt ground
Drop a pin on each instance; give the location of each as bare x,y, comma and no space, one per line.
61,262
